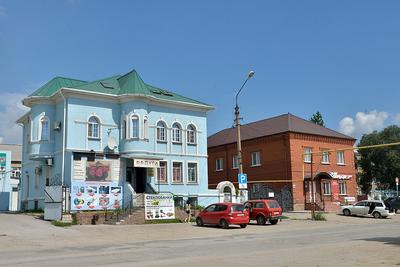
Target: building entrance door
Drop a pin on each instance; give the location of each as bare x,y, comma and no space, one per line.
139,180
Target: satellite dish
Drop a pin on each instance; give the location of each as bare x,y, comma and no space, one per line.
111,143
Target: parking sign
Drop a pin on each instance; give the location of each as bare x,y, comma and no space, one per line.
242,180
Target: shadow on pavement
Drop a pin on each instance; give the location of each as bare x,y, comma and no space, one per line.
386,240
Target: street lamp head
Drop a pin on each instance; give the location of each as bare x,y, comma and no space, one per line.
251,74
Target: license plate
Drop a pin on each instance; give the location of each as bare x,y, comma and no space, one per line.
276,212
240,215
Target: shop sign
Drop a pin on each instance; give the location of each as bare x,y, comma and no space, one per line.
350,199
95,196
159,207
336,175
3,162
146,163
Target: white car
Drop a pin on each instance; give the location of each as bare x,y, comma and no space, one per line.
375,208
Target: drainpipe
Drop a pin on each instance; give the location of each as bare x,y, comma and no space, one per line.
63,141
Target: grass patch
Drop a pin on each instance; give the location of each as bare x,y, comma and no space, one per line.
61,224
163,221
319,216
283,217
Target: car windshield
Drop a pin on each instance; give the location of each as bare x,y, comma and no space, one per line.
237,208
273,204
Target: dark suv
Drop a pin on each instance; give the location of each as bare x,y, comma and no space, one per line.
393,203
264,210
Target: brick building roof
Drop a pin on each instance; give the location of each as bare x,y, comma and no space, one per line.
276,125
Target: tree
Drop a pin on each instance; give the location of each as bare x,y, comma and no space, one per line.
317,119
379,165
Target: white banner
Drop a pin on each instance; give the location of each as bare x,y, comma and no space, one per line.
146,163
159,207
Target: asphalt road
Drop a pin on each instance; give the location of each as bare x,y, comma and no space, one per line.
340,241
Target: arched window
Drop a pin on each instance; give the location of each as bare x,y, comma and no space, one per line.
145,127
94,127
135,126
161,132
123,129
176,133
44,129
191,134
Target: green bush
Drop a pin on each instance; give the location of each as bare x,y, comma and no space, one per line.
319,216
61,224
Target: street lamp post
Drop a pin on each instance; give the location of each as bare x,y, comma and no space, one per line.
237,124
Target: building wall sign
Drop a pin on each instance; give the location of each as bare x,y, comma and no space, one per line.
3,162
336,175
146,163
159,207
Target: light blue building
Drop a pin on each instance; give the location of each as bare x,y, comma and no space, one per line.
119,130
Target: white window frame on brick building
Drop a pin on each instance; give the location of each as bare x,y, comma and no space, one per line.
255,159
307,154
326,187
340,158
235,162
219,164
325,156
342,188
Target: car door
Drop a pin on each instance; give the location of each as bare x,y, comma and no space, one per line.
258,207
219,212
208,213
360,208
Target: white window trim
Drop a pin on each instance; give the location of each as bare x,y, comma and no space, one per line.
87,127
40,129
197,170
337,159
258,164
145,130
134,114
165,132
180,134
345,189
304,152
322,157
233,160
323,188
182,174
216,165
195,134
166,173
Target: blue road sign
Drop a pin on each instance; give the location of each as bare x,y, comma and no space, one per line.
242,180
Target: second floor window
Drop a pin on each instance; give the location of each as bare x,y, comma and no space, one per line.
135,126
44,129
235,162
161,132
177,172
256,158
340,157
325,157
219,164
191,134
94,127
307,154
176,133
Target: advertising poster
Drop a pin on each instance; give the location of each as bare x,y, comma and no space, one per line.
3,162
159,207
98,190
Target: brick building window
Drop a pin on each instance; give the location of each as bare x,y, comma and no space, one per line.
340,157
219,164
342,188
326,186
256,158
325,157
235,162
307,154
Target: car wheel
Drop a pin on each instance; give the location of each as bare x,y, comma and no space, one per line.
199,221
224,224
376,215
243,225
261,220
346,212
273,222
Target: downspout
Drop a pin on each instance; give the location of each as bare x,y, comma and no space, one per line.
63,141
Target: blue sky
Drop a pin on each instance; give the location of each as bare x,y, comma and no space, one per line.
339,57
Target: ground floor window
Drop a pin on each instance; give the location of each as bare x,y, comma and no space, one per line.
162,172
342,188
177,172
326,186
192,172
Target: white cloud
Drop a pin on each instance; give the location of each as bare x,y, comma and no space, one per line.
396,119
11,109
364,123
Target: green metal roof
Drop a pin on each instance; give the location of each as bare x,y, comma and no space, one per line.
129,84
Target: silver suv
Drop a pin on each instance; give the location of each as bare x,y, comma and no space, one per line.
375,208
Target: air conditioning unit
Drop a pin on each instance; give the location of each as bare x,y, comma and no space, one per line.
49,162
57,126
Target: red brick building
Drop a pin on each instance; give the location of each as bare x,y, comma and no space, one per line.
273,158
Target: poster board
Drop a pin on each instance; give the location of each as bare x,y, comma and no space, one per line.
95,185
159,207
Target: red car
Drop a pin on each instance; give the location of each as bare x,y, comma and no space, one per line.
264,210
224,214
